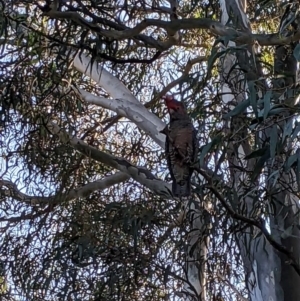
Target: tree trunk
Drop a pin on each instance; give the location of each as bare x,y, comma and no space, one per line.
285,221
196,255
268,274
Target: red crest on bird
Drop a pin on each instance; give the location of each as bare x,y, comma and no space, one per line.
172,104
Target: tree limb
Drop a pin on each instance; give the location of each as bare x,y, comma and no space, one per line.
13,191
216,28
138,173
184,77
153,125
135,112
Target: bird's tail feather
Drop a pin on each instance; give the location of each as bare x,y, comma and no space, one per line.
181,189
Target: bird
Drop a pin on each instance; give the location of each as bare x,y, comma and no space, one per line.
181,146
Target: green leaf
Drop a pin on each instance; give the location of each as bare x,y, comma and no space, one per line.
288,128
79,106
257,153
80,251
240,108
276,111
274,174
287,232
260,164
215,54
193,248
296,130
296,52
253,125
290,161
273,141
253,97
267,103
215,141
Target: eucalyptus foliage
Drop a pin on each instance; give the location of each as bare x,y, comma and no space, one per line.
68,235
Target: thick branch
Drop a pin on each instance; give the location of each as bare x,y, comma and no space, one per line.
153,125
138,173
102,77
13,191
135,112
75,17
183,78
214,27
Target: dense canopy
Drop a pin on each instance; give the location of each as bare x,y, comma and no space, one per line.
86,209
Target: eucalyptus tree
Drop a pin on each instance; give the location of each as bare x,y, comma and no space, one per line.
87,211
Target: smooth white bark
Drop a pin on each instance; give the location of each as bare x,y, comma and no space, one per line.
124,102
134,111
258,255
83,191
138,173
126,105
